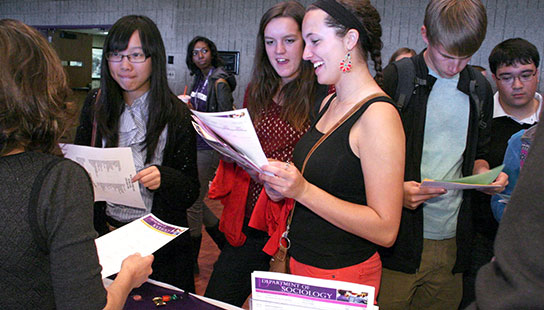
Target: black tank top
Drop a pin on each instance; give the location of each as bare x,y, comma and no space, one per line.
334,168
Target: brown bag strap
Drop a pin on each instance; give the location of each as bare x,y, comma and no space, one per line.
220,80
352,111
93,135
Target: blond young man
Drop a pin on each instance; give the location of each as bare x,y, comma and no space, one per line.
445,122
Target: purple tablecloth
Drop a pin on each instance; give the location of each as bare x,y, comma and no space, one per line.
149,291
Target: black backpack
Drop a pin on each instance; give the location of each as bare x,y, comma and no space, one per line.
408,82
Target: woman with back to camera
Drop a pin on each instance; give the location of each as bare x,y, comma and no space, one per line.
349,200
48,255
211,91
136,109
280,100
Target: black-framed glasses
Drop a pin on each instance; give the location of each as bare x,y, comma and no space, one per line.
132,57
203,50
524,77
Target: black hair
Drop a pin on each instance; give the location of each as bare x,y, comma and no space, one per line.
513,51
369,17
163,104
216,60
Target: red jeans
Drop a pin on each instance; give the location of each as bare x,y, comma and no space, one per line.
368,272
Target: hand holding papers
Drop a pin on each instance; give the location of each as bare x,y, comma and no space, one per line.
232,134
144,236
477,181
111,170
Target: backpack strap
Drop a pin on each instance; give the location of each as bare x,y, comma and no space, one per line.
477,94
407,82
39,238
222,80
346,116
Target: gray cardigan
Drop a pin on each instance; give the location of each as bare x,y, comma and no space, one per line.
69,276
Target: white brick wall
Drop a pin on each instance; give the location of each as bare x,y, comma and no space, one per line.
232,24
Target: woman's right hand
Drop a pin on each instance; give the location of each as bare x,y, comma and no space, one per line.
137,269
286,179
415,195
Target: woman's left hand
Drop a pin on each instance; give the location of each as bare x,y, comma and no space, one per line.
150,177
286,179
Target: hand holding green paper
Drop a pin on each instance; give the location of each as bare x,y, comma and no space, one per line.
477,181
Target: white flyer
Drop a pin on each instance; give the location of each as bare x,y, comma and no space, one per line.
111,171
272,290
236,128
222,146
144,235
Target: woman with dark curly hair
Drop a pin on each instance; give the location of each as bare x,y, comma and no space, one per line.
48,254
211,91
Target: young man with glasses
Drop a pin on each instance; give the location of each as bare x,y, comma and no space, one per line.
514,64
514,67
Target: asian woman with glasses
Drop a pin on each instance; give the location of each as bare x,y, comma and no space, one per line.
136,109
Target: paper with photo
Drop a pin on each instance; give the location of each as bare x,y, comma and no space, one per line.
271,290
111,171
477,181
144,235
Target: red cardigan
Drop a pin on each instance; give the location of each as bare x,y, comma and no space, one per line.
230,185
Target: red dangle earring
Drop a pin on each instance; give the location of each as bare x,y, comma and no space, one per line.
345,64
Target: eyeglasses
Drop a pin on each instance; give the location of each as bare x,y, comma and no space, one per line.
524,77
204,51
133,58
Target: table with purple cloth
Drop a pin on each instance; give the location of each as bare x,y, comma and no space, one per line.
185,301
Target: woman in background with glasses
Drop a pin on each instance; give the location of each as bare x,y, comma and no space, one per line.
136,109
211,91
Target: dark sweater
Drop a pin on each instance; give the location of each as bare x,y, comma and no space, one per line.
220,96
69,277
